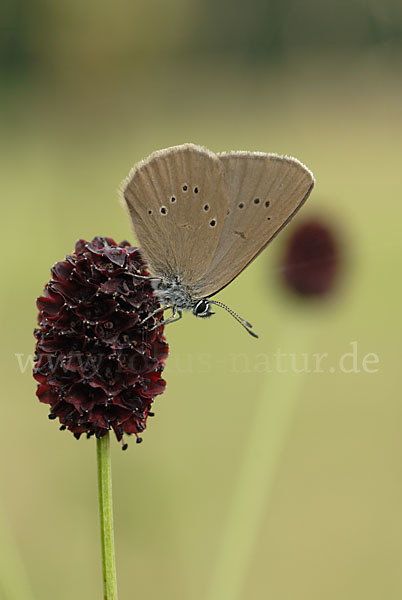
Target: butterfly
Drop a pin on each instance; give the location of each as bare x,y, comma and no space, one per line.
201,218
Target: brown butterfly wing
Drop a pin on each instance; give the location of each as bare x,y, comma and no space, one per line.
265,191
177,200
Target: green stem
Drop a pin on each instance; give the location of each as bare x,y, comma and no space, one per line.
268,433
106,517
14,582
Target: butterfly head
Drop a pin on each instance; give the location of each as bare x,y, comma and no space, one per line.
202,308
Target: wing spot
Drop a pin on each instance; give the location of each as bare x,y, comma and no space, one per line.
206,207
256,200
212,223
185,187
173,199
150,212
196,190
163,210
267,203
241,205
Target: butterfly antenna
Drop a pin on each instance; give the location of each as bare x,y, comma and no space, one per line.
247,326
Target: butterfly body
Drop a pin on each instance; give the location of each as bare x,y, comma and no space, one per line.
201,218
172,293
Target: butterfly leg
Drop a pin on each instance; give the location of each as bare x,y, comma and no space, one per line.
154,313
176,316
146,277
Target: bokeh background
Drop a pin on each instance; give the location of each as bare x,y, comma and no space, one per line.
251,482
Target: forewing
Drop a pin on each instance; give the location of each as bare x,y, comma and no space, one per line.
177,200
265,191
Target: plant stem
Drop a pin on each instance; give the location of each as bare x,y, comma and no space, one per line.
268,434
14,582
106,517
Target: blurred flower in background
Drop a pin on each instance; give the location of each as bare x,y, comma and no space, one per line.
310,263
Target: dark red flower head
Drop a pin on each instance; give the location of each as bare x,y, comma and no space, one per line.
310,263
99,363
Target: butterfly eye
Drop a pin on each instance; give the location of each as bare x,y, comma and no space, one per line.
185,187
206,207
163,210
173,199
267,203
212,223
196,190
256,201
201,309
241,205
150,212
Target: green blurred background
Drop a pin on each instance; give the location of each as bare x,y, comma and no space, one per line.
249,484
